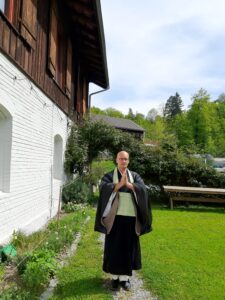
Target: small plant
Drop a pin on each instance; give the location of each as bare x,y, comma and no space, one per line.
14,293
72,207
36,254
19,239
22,261
39,268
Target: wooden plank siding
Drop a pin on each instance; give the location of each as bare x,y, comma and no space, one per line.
33,60
28,39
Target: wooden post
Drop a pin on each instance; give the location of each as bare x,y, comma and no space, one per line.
171,201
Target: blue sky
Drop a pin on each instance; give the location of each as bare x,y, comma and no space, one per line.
158,48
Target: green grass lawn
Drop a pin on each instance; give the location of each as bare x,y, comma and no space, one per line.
83,278
184,256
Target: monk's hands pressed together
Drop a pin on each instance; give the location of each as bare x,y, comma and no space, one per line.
129,185
124,182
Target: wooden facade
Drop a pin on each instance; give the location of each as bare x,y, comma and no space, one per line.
59,45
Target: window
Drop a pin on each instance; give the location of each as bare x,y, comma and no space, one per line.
5,149
7,6
57,160
23,16
2,5
28,21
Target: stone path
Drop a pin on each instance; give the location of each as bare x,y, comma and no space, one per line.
137,291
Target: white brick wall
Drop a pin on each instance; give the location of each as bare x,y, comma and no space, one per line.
34,194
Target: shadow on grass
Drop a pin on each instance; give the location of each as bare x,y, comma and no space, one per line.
191,208
84,288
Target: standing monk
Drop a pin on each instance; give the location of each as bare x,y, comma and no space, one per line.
123,214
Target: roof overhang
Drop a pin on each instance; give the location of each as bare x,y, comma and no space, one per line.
88,33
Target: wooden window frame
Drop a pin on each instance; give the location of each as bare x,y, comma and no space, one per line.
57,49
60,58
28,21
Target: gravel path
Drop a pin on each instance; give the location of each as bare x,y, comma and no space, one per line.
137,291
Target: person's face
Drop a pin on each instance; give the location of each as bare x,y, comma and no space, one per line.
122,160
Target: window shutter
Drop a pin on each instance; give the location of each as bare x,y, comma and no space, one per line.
29,21
52,39
69,69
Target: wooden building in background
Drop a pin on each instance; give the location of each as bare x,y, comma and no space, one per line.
125,125
49,53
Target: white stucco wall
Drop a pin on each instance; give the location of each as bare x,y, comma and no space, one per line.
33,194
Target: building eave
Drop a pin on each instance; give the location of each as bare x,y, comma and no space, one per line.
89,39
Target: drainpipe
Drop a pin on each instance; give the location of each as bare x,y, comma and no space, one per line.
90,95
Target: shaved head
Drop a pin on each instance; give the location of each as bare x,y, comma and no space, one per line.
122,153
122,160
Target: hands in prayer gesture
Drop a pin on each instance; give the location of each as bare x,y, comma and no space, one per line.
124,182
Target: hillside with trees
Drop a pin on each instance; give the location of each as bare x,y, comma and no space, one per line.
199,129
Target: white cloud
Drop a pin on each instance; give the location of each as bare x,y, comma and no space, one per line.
157,48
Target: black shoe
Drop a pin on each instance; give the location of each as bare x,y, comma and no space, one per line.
125,285
114,284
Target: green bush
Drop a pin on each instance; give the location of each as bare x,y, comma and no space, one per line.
76,192
94,175
39,268
157,195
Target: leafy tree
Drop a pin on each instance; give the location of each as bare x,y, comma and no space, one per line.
112,112
165,164
181,127
139,117
130,114
199,116
76,152
97,111
221,98
220,122
155,131
152,114
96,137
173,106
202,95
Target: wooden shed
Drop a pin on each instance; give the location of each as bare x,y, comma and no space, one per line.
125,125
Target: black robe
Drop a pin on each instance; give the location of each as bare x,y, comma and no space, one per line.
122,247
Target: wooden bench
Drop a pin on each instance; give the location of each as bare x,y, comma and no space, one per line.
182,193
